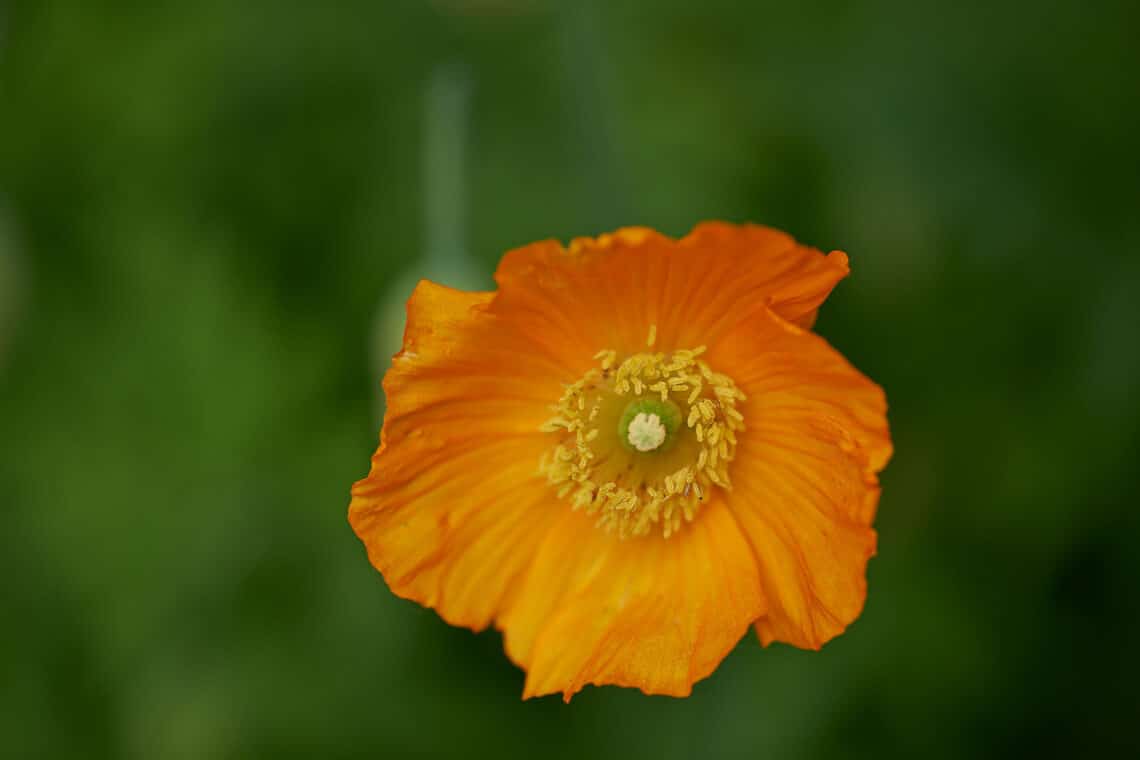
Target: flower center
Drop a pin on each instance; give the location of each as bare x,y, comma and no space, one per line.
645,440
647,424
646,432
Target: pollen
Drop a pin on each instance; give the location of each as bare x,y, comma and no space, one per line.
643,440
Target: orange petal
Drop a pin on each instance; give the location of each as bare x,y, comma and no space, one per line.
461,362
605,292
805,484
773,267
653,613
453,506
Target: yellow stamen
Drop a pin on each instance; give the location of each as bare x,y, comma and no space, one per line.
643,472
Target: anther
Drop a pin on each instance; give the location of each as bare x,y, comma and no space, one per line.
674,437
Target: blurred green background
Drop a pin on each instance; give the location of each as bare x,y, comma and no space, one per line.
211,212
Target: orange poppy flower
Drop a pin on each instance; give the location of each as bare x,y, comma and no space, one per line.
628,454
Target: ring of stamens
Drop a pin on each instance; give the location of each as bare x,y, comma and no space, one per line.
644,440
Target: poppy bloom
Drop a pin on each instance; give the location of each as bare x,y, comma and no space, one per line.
628,454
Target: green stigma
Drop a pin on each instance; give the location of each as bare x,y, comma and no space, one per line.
649,424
